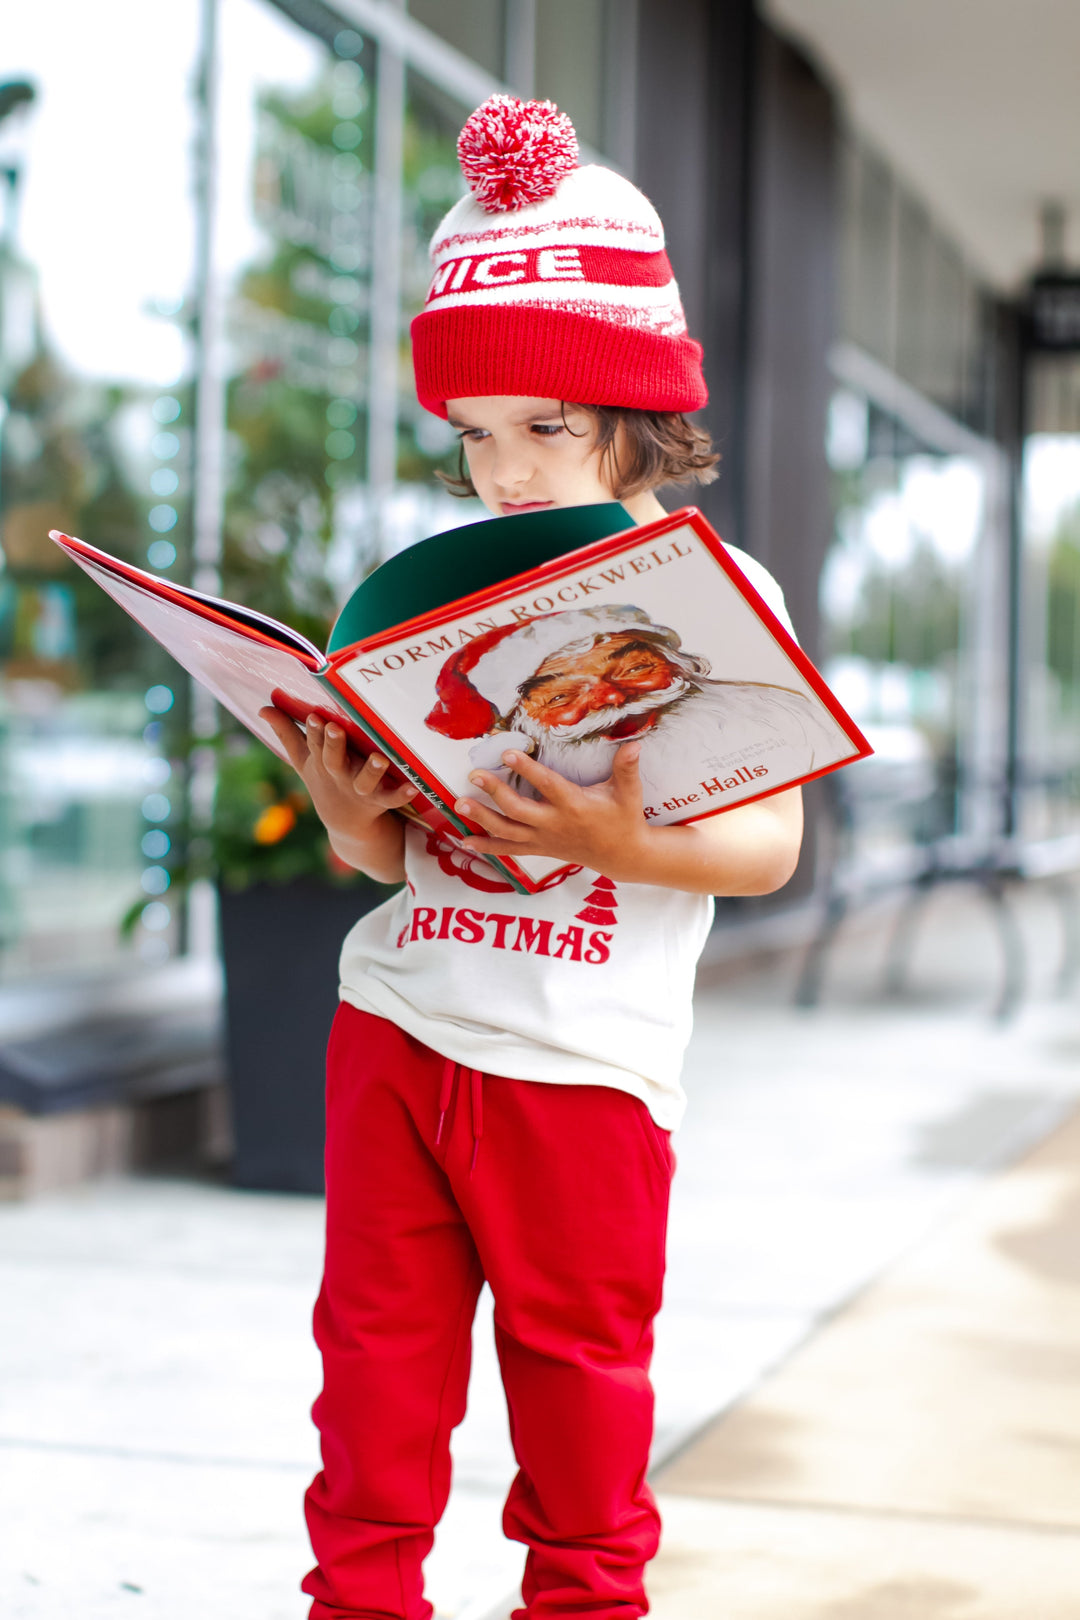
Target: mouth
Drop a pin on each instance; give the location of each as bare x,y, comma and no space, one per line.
512,508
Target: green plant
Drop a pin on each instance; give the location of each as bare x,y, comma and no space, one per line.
264,828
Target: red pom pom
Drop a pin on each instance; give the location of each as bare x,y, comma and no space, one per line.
515,152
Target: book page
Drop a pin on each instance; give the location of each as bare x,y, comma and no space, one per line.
655,641
103,567
244,674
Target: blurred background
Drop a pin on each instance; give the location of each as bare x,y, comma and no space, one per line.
212,239
214,235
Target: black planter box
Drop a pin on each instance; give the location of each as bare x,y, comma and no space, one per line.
280,944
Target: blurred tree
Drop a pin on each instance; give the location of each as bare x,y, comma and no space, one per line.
295,406
60,468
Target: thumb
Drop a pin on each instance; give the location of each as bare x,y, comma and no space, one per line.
624,772
288,734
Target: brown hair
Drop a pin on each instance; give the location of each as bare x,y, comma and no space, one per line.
657,447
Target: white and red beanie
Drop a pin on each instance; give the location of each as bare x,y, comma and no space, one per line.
550,280
479,685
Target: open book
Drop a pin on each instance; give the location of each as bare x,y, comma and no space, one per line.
561,633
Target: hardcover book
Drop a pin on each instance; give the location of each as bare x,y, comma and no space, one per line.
560,633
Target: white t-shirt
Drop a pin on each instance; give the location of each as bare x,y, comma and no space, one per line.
588,982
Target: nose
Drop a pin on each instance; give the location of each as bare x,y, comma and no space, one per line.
590,694
512,469
603,695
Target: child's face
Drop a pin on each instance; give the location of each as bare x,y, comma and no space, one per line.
528,454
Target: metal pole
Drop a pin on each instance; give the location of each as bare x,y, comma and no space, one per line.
520,52
208,430
1012,807
207,451
383,353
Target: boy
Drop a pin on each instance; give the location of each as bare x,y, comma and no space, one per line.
503,1072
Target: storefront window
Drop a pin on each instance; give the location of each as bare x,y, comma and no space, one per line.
95,262
195,302
906,295
293,265
571,40
477,28
297,243
1051,642
895,598
432,183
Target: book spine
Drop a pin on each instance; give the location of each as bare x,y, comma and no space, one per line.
454,823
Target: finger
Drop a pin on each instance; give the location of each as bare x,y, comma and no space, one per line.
288,734
371,773
315,731
492,822
335,748
394,798
555,788
626,774
370,782
508,799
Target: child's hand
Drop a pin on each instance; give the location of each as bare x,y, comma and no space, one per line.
347,792
600,827
750,849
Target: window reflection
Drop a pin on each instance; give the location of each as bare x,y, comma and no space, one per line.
95,257
1051,510
295,238
894,598
906,295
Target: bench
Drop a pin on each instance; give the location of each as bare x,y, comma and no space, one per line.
99,1083
909,796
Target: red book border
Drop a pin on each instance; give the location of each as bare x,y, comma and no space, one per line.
572,561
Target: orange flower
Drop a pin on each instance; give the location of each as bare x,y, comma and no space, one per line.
275,822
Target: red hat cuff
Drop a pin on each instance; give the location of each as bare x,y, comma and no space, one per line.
469,353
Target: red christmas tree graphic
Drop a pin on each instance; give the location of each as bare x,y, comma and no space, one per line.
600,904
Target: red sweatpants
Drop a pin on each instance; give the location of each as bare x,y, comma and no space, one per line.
557,1196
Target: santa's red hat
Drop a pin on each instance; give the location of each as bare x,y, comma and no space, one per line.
550,280
478,686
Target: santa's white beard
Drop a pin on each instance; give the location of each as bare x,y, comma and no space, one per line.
585,760
581,752
703,720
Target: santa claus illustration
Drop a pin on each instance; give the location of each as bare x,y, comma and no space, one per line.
570,687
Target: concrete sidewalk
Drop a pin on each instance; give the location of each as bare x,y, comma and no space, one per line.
156,1368
919,1458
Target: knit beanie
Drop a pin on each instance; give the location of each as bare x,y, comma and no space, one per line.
550,280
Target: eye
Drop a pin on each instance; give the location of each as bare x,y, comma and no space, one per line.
474,435
547,430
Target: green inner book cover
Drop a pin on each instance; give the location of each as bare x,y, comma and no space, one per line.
473,558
